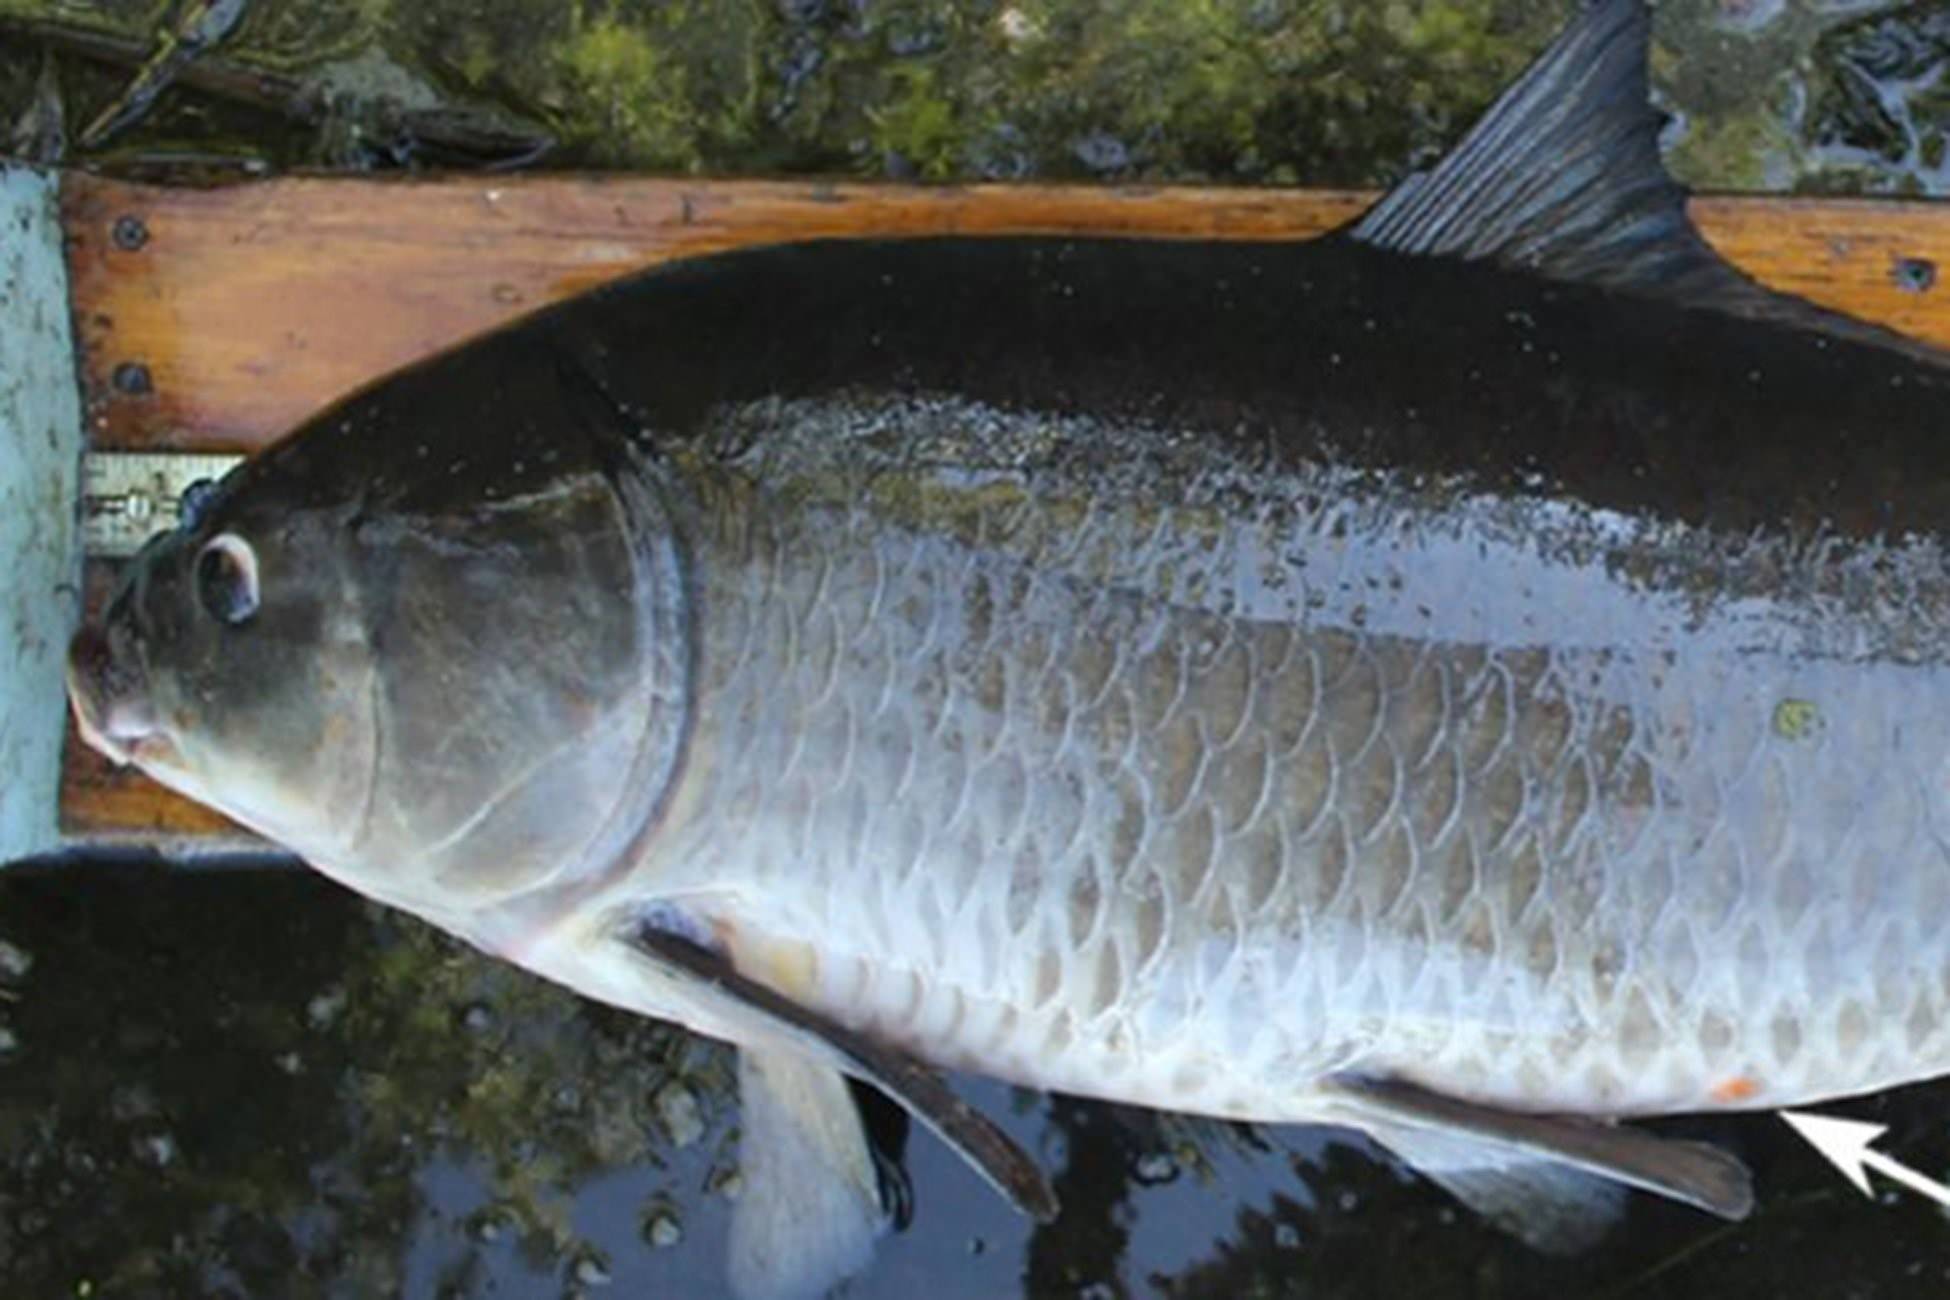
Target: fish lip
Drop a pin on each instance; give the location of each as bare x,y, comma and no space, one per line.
110,703
91,734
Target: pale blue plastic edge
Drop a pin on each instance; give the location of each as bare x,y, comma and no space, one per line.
40,546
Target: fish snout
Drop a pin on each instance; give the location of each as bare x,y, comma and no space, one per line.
110,697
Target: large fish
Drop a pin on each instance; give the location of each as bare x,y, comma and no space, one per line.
1473,678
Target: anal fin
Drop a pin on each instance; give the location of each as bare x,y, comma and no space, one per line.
1555,1181
1550,1207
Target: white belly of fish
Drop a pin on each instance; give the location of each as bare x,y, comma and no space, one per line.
1070,835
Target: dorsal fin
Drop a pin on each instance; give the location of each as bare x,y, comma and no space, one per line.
1561,177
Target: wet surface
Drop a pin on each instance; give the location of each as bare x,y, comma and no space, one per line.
1766,94
250,1083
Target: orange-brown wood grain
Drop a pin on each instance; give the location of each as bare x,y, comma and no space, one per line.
216,319
230,314
1872,259
249,307
104,804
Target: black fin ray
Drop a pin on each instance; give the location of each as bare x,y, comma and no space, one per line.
1561,177
710,977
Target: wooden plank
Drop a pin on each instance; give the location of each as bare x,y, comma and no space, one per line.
216,319
1872,259
250,307
230,314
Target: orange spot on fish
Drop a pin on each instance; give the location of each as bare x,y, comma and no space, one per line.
1738,1088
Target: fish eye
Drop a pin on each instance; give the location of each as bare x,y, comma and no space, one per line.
226,578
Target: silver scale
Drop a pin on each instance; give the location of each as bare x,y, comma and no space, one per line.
127,497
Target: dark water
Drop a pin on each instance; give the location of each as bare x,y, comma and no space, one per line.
248,1083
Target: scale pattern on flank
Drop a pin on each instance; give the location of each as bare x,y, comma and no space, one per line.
1190,804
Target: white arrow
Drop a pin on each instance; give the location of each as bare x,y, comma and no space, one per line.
1846,1143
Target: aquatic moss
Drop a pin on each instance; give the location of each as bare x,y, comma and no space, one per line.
1744,151
292,36
625,98
1316,92
918,129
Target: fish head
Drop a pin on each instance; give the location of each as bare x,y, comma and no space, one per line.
232,665
445,677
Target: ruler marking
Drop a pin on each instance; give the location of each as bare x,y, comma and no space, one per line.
127,497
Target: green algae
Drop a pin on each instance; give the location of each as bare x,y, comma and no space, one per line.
1766,94
635,100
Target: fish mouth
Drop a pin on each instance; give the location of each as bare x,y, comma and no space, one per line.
111,703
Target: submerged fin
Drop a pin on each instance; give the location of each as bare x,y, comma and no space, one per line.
710,981
810,1207
1562,177
1554,1181
1550,1207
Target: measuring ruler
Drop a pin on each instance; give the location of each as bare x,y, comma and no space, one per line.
127,497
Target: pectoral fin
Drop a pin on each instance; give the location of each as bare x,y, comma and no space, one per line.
810,1210
708,980
1554,1181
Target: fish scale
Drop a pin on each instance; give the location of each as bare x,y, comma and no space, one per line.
1472,677
1248,847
